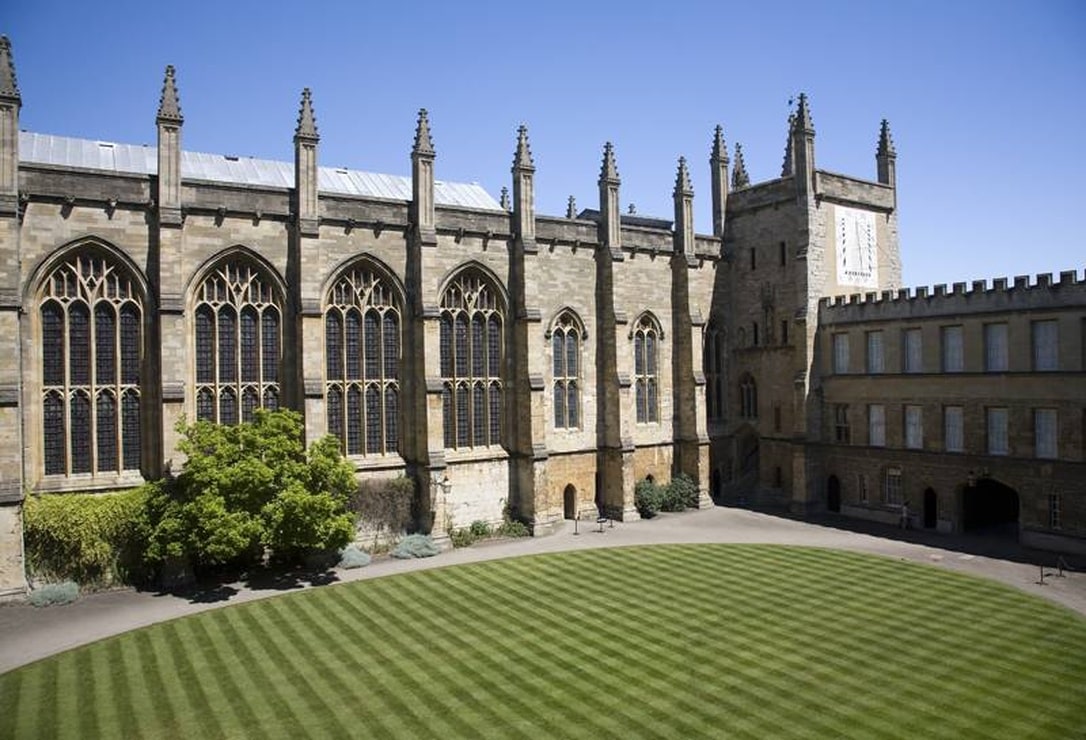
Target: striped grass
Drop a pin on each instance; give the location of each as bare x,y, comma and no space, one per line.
744,641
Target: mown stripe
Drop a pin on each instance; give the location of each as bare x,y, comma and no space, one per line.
181,656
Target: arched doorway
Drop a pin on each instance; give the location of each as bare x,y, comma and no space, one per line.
833,494
569,502
931,508
990,507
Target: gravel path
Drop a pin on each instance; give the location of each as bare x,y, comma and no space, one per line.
30,634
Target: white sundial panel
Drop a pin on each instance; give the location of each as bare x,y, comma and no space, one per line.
856,247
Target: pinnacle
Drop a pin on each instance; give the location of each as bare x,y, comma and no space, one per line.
720,149
523,158
9,86
682,179
740,178
803,115
307,123
169,105
886,142
571,207
504,202
786,166
608,171
423,143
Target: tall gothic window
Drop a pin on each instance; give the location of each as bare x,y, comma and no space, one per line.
646,336
362,361
91,347
238,343
748,397
566,349
471,361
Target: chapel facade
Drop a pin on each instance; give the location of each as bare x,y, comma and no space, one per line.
511,363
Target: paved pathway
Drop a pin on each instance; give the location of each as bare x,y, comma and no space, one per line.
28,634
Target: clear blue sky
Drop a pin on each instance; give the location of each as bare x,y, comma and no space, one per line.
985,99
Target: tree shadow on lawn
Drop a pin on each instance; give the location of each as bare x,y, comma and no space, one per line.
223,585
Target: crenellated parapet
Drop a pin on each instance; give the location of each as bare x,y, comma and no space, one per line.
999,296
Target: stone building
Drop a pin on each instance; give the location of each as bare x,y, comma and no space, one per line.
507,361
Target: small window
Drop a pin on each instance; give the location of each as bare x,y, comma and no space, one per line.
840,354
842,432
776,417
995,348
912,356
997,431
892,487
876,425
861,487
953,359
753,259
1045,423
748,398
778,477
784,331
1054,510
914,427
875,363
1045,345
783,254
953,429
754,334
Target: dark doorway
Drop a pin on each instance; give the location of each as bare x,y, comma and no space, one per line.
569,499
716,485
990,507
931,508
833,494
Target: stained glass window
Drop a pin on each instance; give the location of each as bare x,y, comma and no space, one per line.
565,345
92,343
238,345
646,381
471,357
362,356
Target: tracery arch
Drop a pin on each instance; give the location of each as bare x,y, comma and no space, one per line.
646,337
90,306
566,335
363,324
472,351
238,330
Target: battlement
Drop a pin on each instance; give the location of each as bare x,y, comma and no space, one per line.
1001,295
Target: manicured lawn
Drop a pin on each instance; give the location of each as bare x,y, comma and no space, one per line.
669,641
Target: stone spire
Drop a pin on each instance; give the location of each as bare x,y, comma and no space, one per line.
571,207
886,156
423,143
169,105
803,116
608,170
422,183
9,86
307,205
718,170
740,178
503,201
682,179
788,166
307,122
523,158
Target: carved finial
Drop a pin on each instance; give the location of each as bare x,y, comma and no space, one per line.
803,116
423,143
169,106
571,207
886,142
609,171
504,202
307,123
523,158
786,166
632,209
682,179
9,86
720,149
740,178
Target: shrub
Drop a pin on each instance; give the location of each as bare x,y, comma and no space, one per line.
95,539
461,537
248,486
351,557
648,498
513,528
54,593
415,546
384,504
683,491
480,529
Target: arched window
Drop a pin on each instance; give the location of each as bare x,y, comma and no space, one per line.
92,348
238,316
362,362
566,349
748,397
713,360
646,336
472,348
